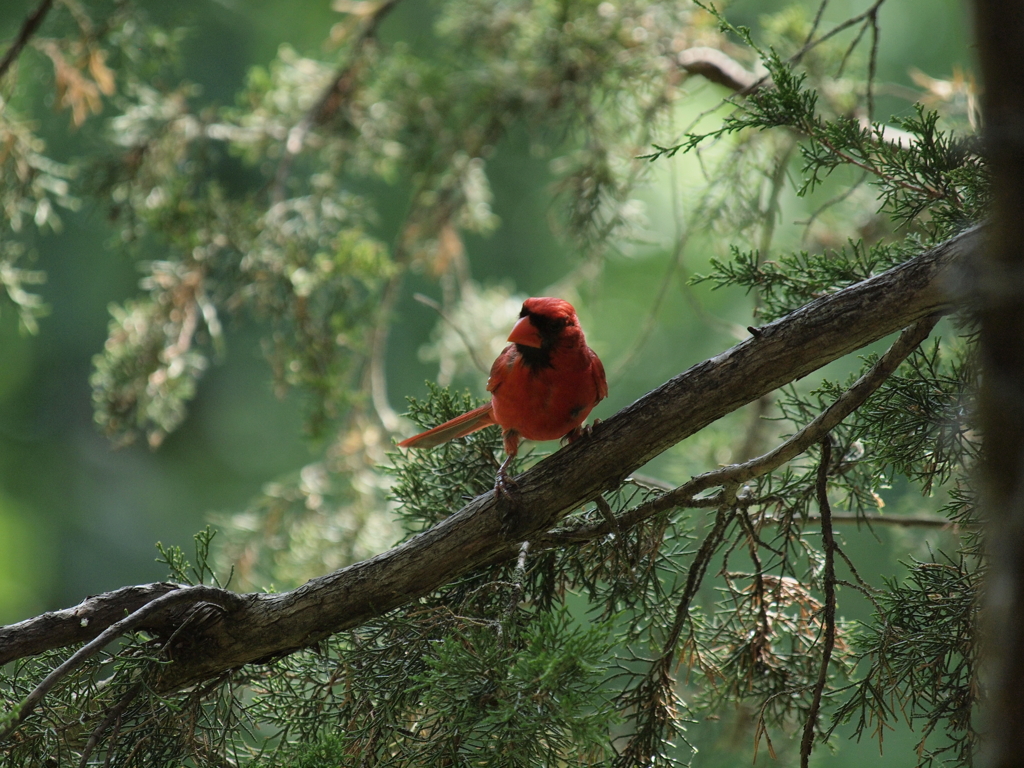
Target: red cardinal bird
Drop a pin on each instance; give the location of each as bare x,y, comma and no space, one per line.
543,385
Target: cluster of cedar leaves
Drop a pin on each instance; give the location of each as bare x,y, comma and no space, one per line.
595,651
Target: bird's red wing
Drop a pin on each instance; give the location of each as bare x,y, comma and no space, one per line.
500,367
597,368
460,426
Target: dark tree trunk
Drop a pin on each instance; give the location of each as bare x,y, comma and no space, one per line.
1000,38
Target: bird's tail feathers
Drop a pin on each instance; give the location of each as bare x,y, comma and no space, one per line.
460,426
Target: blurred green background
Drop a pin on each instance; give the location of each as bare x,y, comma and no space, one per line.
79,517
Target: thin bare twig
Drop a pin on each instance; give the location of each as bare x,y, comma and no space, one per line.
817,21
806,223
517,580
32,22
681,237
429,302
872,64
637,346
861,585
113,717
868,14
763,631
850,49
899,521
334,96
378,355
113,739
695,575
828,543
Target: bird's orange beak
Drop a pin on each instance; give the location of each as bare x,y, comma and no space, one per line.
524,332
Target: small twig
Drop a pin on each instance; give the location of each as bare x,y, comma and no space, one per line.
650,482
900,521
758,578
761,727
872,64
754,435
817,21
869,13
32,22
695,575
378,353
429,302
829,587
637,347
770,213
113,715
868,591
113,739
606,512
127,624
333,97
806,223
518,577
675,266
850,49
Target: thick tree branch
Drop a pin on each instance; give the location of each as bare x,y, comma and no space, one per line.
220,597
85,621
267,625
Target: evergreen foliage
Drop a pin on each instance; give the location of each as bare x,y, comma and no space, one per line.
641,614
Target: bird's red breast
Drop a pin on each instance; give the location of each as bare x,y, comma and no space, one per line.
545,383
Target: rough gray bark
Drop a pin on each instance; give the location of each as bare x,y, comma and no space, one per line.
260,626
79,624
